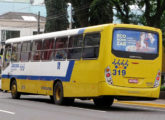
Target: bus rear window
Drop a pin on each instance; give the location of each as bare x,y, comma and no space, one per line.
135,43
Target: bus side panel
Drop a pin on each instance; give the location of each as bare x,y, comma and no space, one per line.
5,84
87,73
45,87
163,63
84,79
28,86
105,89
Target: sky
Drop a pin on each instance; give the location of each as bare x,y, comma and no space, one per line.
24,1
25,6
22,6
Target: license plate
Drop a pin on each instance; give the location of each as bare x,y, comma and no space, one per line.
132,80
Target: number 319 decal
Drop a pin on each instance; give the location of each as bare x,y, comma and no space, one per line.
120,67
119,72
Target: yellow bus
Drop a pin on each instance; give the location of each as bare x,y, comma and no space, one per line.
103,63
163,66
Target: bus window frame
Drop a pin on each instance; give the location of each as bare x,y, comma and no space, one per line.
18,52
30,52
54,56
4,56
100,32
32,60
71,48
53,49
134,55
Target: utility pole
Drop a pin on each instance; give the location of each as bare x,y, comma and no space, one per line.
38,22
70,25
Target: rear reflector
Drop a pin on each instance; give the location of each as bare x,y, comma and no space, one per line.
108,76
157,79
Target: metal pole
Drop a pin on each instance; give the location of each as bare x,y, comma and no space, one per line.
38,22
70,25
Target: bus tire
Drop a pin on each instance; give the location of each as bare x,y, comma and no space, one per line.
105,101
14,93
58,95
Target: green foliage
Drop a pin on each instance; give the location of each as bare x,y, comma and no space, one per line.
81,12
91,12
101,12
56,15
123,10
162,88
152,12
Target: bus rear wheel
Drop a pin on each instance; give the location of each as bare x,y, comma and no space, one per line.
105,101
14,93
58,95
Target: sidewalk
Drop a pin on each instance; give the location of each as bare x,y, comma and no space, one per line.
159,103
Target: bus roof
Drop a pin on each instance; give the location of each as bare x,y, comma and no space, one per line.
72,32
51,35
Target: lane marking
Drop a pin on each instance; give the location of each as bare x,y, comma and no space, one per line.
89,109
8,112
141,104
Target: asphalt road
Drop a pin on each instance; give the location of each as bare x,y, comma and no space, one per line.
40,108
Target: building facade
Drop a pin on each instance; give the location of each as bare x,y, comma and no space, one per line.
15,24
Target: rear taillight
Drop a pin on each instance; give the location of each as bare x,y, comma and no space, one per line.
157,79
108,76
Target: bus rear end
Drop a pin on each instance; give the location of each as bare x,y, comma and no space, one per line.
134,64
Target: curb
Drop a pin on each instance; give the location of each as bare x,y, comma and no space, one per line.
156,105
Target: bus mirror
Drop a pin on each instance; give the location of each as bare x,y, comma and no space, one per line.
1,52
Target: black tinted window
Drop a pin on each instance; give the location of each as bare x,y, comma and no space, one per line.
92,39
75,47
91,45
76,41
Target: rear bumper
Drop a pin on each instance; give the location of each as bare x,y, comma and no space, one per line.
125,92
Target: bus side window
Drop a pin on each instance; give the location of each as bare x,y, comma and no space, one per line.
15,57
26,51
47,53
91,45
61,48
36,50
75,47
7,56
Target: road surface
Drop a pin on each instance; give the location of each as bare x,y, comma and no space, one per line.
40,108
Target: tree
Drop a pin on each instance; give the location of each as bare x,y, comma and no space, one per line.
91,12
81,12
101,12
123,11
151,14
57,18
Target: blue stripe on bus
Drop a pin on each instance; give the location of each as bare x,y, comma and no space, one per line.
45,78
81,31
